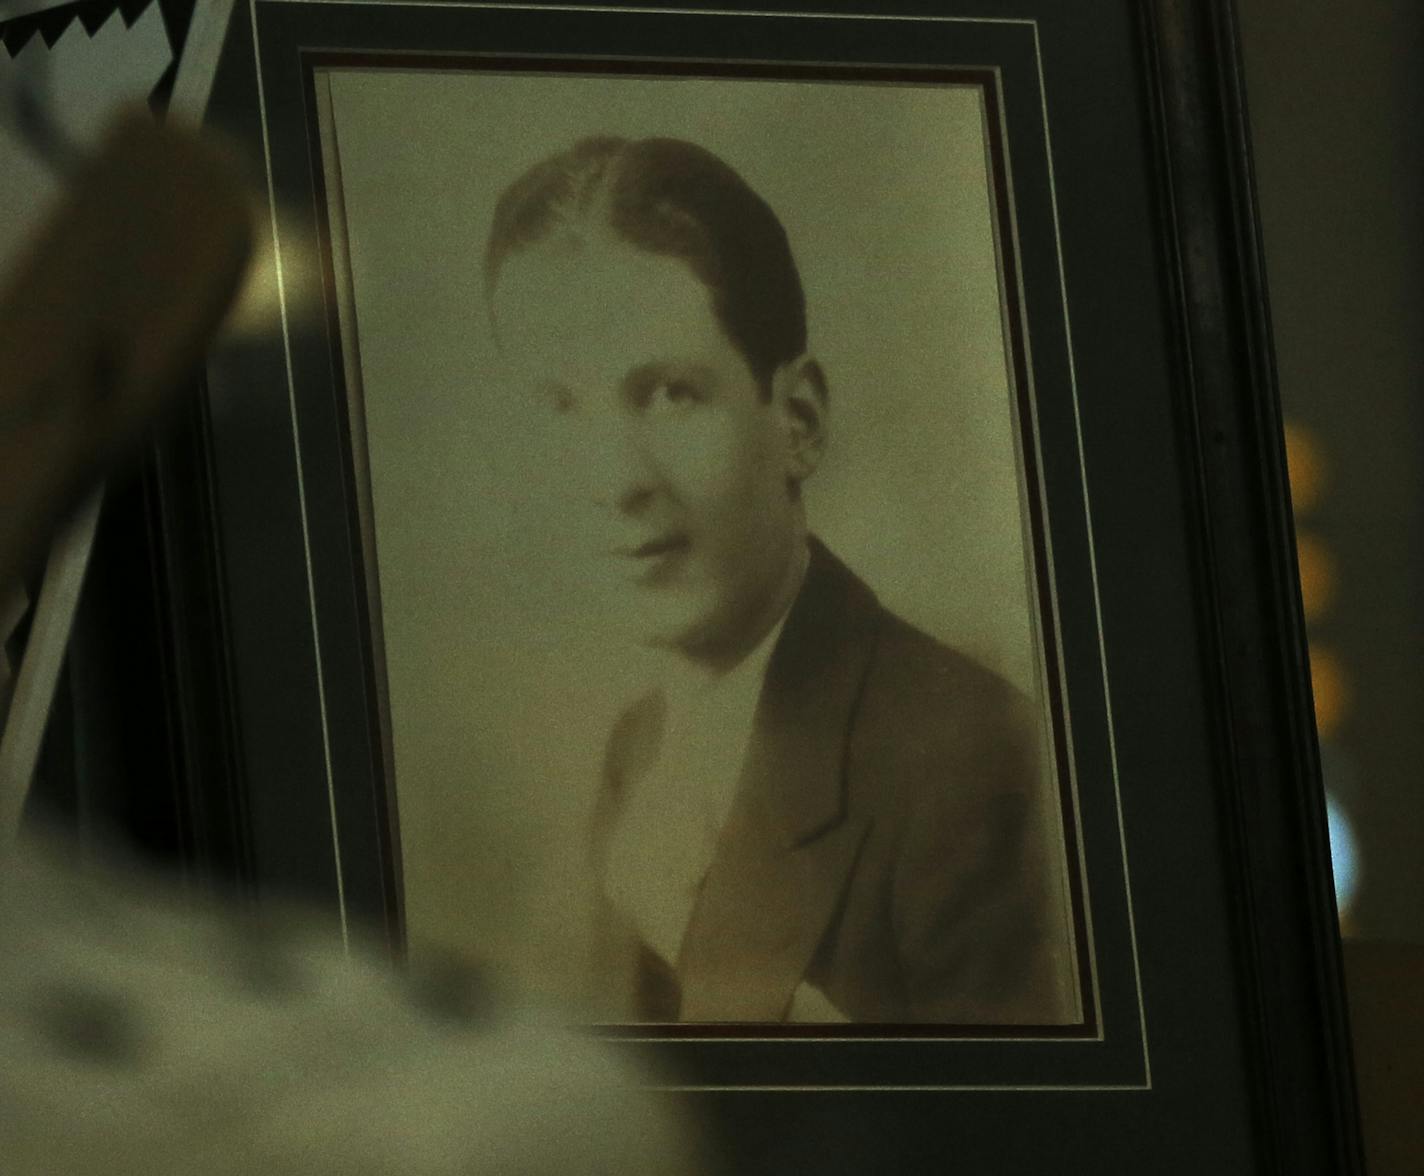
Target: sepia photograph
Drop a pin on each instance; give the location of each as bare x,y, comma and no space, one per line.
693,472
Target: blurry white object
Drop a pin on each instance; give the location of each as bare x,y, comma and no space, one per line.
143,1035
1344,855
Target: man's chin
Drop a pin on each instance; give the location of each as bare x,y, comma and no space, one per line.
657,630
668,635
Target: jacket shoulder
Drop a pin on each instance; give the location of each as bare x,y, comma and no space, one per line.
945,755
928,708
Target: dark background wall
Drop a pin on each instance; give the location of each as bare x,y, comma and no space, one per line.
1336,93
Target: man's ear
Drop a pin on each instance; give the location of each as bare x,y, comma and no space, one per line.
799,393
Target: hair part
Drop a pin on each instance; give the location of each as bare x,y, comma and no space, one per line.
678,200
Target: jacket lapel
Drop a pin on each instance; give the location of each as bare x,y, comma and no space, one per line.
789,844
632,747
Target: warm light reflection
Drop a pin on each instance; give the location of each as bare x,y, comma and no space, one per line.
257,312
1317,575
1331,688
1305,466
1330,685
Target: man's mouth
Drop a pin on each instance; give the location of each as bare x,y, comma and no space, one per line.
652,548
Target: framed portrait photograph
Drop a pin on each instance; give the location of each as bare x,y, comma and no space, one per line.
766,531
660,551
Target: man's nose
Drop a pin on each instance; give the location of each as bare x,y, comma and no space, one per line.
620,472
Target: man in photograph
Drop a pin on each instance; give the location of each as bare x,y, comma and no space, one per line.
819,813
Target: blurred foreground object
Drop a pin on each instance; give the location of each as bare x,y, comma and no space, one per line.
143,1035
107,312
78,77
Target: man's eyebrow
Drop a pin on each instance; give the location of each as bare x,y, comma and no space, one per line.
551,388
647,374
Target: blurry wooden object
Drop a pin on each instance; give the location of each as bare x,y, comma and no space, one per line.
104,318
1385,985
108,311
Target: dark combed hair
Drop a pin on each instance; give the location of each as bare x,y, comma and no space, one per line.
676,199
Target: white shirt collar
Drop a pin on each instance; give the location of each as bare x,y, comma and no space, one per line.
666,834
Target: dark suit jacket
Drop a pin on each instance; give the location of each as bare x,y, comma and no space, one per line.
885,844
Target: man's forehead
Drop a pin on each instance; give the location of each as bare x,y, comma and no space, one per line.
600,304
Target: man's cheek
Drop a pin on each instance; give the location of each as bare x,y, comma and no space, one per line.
708,472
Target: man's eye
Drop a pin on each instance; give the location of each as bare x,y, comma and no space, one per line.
557,399
674,394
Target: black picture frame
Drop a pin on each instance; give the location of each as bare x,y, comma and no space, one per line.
1228,1051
